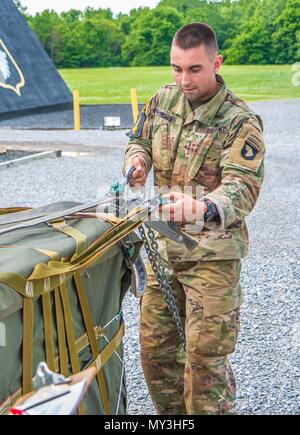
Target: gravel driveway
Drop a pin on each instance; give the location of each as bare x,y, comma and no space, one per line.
267,361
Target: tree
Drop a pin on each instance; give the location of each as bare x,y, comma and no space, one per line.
254,43
48,26
286,36
151,36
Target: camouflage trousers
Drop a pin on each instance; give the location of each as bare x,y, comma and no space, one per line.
200,381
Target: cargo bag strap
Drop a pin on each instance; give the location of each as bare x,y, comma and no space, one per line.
61,335
91,254
28,328
56,270
97,363
70,333
107,352
80,238
92,337
10,210
48,331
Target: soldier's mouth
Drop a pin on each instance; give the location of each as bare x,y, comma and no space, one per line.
188,89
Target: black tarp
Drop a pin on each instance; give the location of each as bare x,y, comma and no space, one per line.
28,78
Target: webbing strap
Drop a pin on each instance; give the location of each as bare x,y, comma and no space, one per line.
98,363
61,335
28,326
52,254
55,270
107,352
80,238
91,254
70,333
12,210
92,337
106,217
48,331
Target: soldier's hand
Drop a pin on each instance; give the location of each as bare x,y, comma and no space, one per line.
183,208
139,175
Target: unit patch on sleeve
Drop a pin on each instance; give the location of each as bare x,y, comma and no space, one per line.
248,148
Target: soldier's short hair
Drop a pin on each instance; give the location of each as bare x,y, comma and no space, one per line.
195,34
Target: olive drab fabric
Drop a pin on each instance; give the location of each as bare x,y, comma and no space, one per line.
62,321
218,147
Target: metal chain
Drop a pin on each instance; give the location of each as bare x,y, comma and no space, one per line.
151,247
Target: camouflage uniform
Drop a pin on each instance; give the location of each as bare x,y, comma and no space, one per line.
220,147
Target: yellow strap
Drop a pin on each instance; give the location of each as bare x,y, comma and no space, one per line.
35,284
80,238
61,335
107,352
92,337
92,254
31,289
12,210
48,331
98,363
70,333
52,254
28,326
110,218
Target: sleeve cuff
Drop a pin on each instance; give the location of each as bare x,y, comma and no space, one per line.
225,209
130,157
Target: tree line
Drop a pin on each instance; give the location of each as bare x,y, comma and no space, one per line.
249,32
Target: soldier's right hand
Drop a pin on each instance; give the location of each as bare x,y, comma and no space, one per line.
139,175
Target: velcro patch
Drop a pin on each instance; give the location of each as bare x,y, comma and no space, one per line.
167,116
137,129
247,150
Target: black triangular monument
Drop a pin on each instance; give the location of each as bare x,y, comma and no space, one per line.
28,78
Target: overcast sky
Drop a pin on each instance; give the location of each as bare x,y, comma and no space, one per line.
65,5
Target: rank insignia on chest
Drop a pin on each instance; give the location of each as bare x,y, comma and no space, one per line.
200,136
137,129
167,116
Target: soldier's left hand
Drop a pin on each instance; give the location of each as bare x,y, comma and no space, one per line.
183,208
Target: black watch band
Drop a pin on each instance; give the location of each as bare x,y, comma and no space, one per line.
212,212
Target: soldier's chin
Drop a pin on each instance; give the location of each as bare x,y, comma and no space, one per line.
192,96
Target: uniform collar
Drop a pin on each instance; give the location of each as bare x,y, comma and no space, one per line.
206,112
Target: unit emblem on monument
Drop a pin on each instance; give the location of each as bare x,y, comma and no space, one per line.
11,76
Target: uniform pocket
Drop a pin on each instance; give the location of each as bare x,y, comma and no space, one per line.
161,145
221,322
222,301
200,146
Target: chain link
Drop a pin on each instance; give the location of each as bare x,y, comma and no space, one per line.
151,247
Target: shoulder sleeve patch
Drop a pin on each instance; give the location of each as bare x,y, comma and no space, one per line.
137,129
247,150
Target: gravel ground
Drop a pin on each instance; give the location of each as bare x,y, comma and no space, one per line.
267,361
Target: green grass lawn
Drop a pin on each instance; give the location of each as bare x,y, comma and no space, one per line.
112,85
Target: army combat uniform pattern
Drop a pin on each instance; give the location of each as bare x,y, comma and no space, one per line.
220,147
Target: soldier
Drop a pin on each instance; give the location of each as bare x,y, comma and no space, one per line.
197,133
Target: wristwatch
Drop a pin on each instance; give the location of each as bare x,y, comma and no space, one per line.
212,213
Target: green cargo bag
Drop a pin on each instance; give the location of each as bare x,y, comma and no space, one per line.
61,290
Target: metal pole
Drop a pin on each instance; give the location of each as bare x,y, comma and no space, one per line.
134,103
76,106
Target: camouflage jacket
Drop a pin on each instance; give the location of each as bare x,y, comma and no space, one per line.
218,146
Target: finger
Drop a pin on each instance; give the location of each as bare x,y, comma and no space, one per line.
138,163
138,174
174,196
138,181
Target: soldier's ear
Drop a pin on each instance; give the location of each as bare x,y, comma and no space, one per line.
218,62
